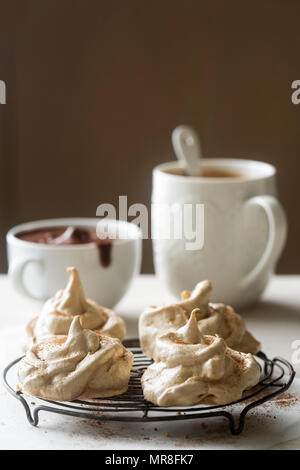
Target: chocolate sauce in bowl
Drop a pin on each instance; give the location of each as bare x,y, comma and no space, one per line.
70,236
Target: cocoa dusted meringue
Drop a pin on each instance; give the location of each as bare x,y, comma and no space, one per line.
212,319
191,368
80,365
58,313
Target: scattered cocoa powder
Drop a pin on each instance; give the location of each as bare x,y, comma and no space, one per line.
286,400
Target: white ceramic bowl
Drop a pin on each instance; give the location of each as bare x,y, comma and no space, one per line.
39,270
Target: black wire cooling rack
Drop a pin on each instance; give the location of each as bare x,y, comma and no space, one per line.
277,376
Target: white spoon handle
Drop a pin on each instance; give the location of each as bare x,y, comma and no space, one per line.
187,149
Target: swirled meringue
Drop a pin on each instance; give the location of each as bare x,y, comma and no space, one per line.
212,319
59,311
191,368
80,365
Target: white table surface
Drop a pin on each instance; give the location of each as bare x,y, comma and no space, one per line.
275,321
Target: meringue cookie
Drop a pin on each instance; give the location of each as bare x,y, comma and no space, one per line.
191,368
59,311
212,319
80,365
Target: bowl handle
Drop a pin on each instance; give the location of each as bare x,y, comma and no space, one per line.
16,274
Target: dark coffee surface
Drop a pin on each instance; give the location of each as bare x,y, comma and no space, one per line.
69,236
210,173
207,173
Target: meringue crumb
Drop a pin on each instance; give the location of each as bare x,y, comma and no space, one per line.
186,436
166,434
18,388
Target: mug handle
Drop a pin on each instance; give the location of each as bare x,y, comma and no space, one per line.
277,235
16,274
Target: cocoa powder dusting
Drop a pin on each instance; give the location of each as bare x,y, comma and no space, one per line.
286,400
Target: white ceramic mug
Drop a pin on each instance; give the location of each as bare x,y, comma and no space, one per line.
39,270
244,229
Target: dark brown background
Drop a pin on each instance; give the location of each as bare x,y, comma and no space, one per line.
94,89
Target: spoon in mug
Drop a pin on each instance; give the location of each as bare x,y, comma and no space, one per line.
187,148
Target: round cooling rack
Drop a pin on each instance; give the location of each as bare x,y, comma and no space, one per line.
277,376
